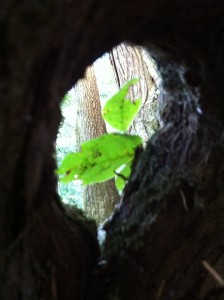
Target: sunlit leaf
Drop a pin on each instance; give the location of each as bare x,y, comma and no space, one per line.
120,112
71,161
99,158
67,98
122,176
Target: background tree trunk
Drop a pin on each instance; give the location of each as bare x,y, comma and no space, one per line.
99,199
129,62
171,217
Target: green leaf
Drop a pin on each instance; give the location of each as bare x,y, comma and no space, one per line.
66,100
122,177
71,160
120,112
70,163
99,158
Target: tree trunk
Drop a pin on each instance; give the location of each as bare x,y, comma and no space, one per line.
171,216
128,62
99,199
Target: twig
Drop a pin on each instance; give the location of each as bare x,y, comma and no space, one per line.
160,290
120,175
213,273
184,200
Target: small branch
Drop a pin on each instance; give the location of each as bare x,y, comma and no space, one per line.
121,176
184,200
213,273
160,290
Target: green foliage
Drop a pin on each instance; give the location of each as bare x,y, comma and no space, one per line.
120,112
122,176
67,99
100,159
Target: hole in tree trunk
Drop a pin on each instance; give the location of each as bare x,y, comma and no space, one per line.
82,107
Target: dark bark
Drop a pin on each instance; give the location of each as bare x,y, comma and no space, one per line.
171,217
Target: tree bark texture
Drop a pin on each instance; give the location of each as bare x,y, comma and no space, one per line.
171,216
98,199
128,62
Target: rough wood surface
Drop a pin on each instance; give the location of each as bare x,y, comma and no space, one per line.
171,217
130,62
98,199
